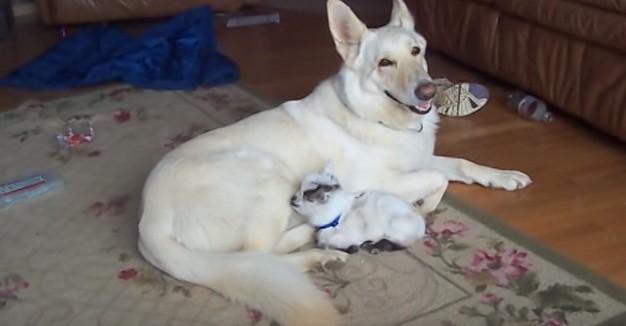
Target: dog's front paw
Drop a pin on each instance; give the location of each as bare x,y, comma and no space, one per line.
510,180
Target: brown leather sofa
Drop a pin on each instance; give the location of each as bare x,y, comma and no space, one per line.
571,53
66,12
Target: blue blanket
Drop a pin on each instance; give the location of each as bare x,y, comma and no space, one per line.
179,54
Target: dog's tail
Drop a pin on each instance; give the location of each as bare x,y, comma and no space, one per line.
260,280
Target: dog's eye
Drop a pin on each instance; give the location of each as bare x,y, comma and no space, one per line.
415,51
385,62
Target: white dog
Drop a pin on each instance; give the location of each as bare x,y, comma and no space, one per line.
216,209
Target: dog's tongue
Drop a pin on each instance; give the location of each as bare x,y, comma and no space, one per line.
423,108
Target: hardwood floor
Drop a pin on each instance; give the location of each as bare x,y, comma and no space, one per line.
576,205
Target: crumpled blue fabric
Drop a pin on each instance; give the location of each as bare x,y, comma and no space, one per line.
179,54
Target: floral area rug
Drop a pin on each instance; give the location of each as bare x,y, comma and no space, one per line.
69,257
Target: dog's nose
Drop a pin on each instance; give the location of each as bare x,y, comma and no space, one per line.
426,91
293,200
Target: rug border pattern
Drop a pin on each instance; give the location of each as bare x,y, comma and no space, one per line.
558,259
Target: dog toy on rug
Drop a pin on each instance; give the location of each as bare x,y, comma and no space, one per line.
457,100
27,188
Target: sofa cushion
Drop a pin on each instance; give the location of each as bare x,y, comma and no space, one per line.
611,5
546,63
473,24
486,1
568,71
590,23
603,90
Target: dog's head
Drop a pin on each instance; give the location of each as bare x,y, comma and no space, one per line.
388,63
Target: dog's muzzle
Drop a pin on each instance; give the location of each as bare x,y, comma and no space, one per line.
422,108
426,91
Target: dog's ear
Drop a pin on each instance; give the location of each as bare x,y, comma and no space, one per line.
400,15
347,30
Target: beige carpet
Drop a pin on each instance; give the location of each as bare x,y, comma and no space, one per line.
69,257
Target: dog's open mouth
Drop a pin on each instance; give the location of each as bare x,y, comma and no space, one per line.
421,108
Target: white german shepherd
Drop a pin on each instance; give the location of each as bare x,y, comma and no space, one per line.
216,209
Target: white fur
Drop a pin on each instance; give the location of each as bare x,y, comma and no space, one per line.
368,216
216,209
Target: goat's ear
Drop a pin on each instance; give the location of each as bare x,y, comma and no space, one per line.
400,15
329,167
347,30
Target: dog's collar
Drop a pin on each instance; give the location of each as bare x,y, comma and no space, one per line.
417,131
333,224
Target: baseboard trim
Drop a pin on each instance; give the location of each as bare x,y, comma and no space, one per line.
24,9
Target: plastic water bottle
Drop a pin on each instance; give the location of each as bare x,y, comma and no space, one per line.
529,106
